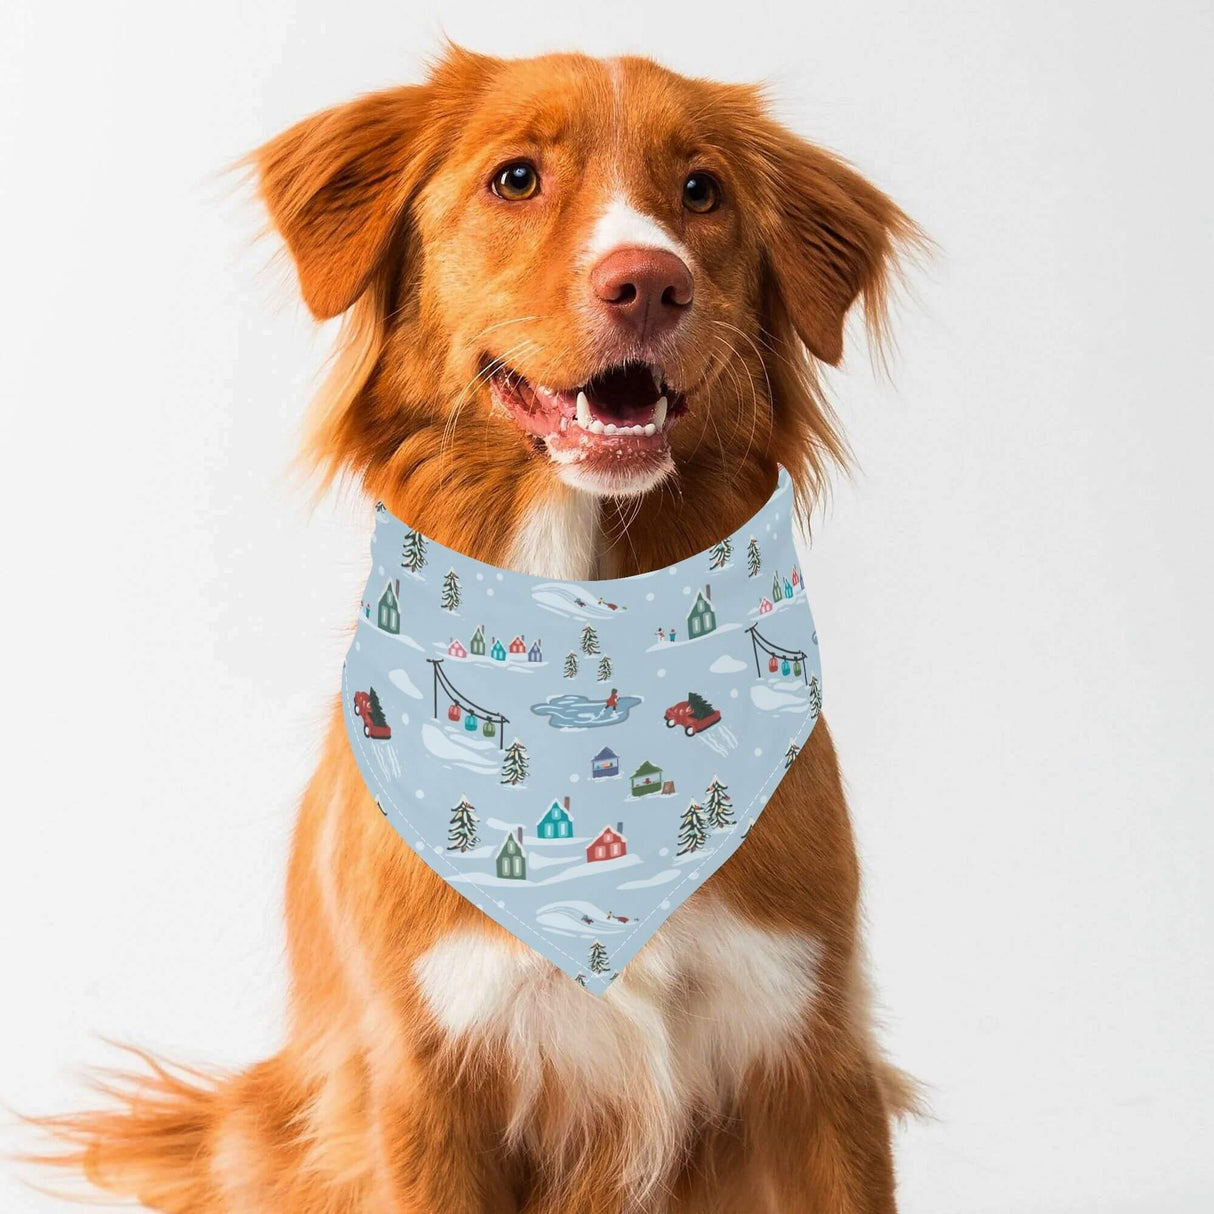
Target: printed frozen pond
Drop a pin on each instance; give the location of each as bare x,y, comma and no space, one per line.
579,712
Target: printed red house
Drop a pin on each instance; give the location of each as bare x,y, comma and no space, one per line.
456,649
518,646
609,845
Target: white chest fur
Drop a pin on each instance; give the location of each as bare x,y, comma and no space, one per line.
707,997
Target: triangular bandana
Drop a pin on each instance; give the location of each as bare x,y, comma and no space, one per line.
576,758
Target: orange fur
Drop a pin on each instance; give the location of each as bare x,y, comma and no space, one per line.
372,1105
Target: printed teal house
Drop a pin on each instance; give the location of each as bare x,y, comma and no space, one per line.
701,619
556,823
512,859
498,651
389,609
605,763
477,644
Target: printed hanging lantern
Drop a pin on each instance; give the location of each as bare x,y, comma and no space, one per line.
796,668
772,664
784,667
489,730
470,723
453,713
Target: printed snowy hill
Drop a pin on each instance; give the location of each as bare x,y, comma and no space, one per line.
574,602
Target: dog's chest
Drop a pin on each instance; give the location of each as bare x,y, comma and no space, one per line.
707,997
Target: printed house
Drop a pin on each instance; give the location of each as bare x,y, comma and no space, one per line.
389,609
765,605
535,653
518,646
609,845
498,652
701,619
605,763
777,591
646,779
477,644
456,650
556,823
512,859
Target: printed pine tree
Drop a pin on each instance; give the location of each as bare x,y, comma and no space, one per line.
462,833
692,832
451,596
604,668
375,707
590,640
718,805
598,959
413,553
790,754
570,665
719,554
700,707
815,695
515,763
754,562
580,980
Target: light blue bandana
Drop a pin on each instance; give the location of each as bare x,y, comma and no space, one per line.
577,758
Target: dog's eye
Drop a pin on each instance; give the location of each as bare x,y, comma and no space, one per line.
701,193
516,182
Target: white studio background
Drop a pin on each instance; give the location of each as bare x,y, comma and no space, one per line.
1014,591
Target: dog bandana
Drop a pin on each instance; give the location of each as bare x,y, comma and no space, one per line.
577,758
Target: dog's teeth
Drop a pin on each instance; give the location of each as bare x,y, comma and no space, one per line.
545,391
649,430
659,413
583,411
638,430
610,428
597,427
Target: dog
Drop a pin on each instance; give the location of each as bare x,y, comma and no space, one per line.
588,292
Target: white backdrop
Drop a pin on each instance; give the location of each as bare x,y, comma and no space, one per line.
1014,592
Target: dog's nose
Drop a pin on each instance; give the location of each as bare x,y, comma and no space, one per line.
648,289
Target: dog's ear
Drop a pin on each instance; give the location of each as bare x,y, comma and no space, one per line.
336,184
830,238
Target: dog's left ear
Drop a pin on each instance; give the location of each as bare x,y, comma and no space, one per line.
337,183
830,238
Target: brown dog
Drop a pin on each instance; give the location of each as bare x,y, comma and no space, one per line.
501,238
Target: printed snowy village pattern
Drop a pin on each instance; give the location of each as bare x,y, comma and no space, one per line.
578,758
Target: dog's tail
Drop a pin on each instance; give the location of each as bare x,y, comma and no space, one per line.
185,1142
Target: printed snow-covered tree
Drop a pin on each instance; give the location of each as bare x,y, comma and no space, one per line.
604,668
462,836
790,754
598,959
700,707
590,640
692,832
719,554
570,665
580,980
375,708
413,552
515,763
718,805
451,595
815,695
754,562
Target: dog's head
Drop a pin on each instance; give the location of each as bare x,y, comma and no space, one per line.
598,266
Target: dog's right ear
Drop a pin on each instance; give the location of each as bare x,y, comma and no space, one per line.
337,183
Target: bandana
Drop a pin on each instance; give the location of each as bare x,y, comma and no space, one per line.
577,758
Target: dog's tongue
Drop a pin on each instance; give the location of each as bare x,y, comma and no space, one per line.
623,394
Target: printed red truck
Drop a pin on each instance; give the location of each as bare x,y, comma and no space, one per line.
681,714
362,706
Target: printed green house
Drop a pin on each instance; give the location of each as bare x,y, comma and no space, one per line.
512,859
477,644
646,779
389,609
701,619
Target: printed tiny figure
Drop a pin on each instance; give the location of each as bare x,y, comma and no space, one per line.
613,701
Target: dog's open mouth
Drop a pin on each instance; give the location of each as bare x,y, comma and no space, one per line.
617,422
